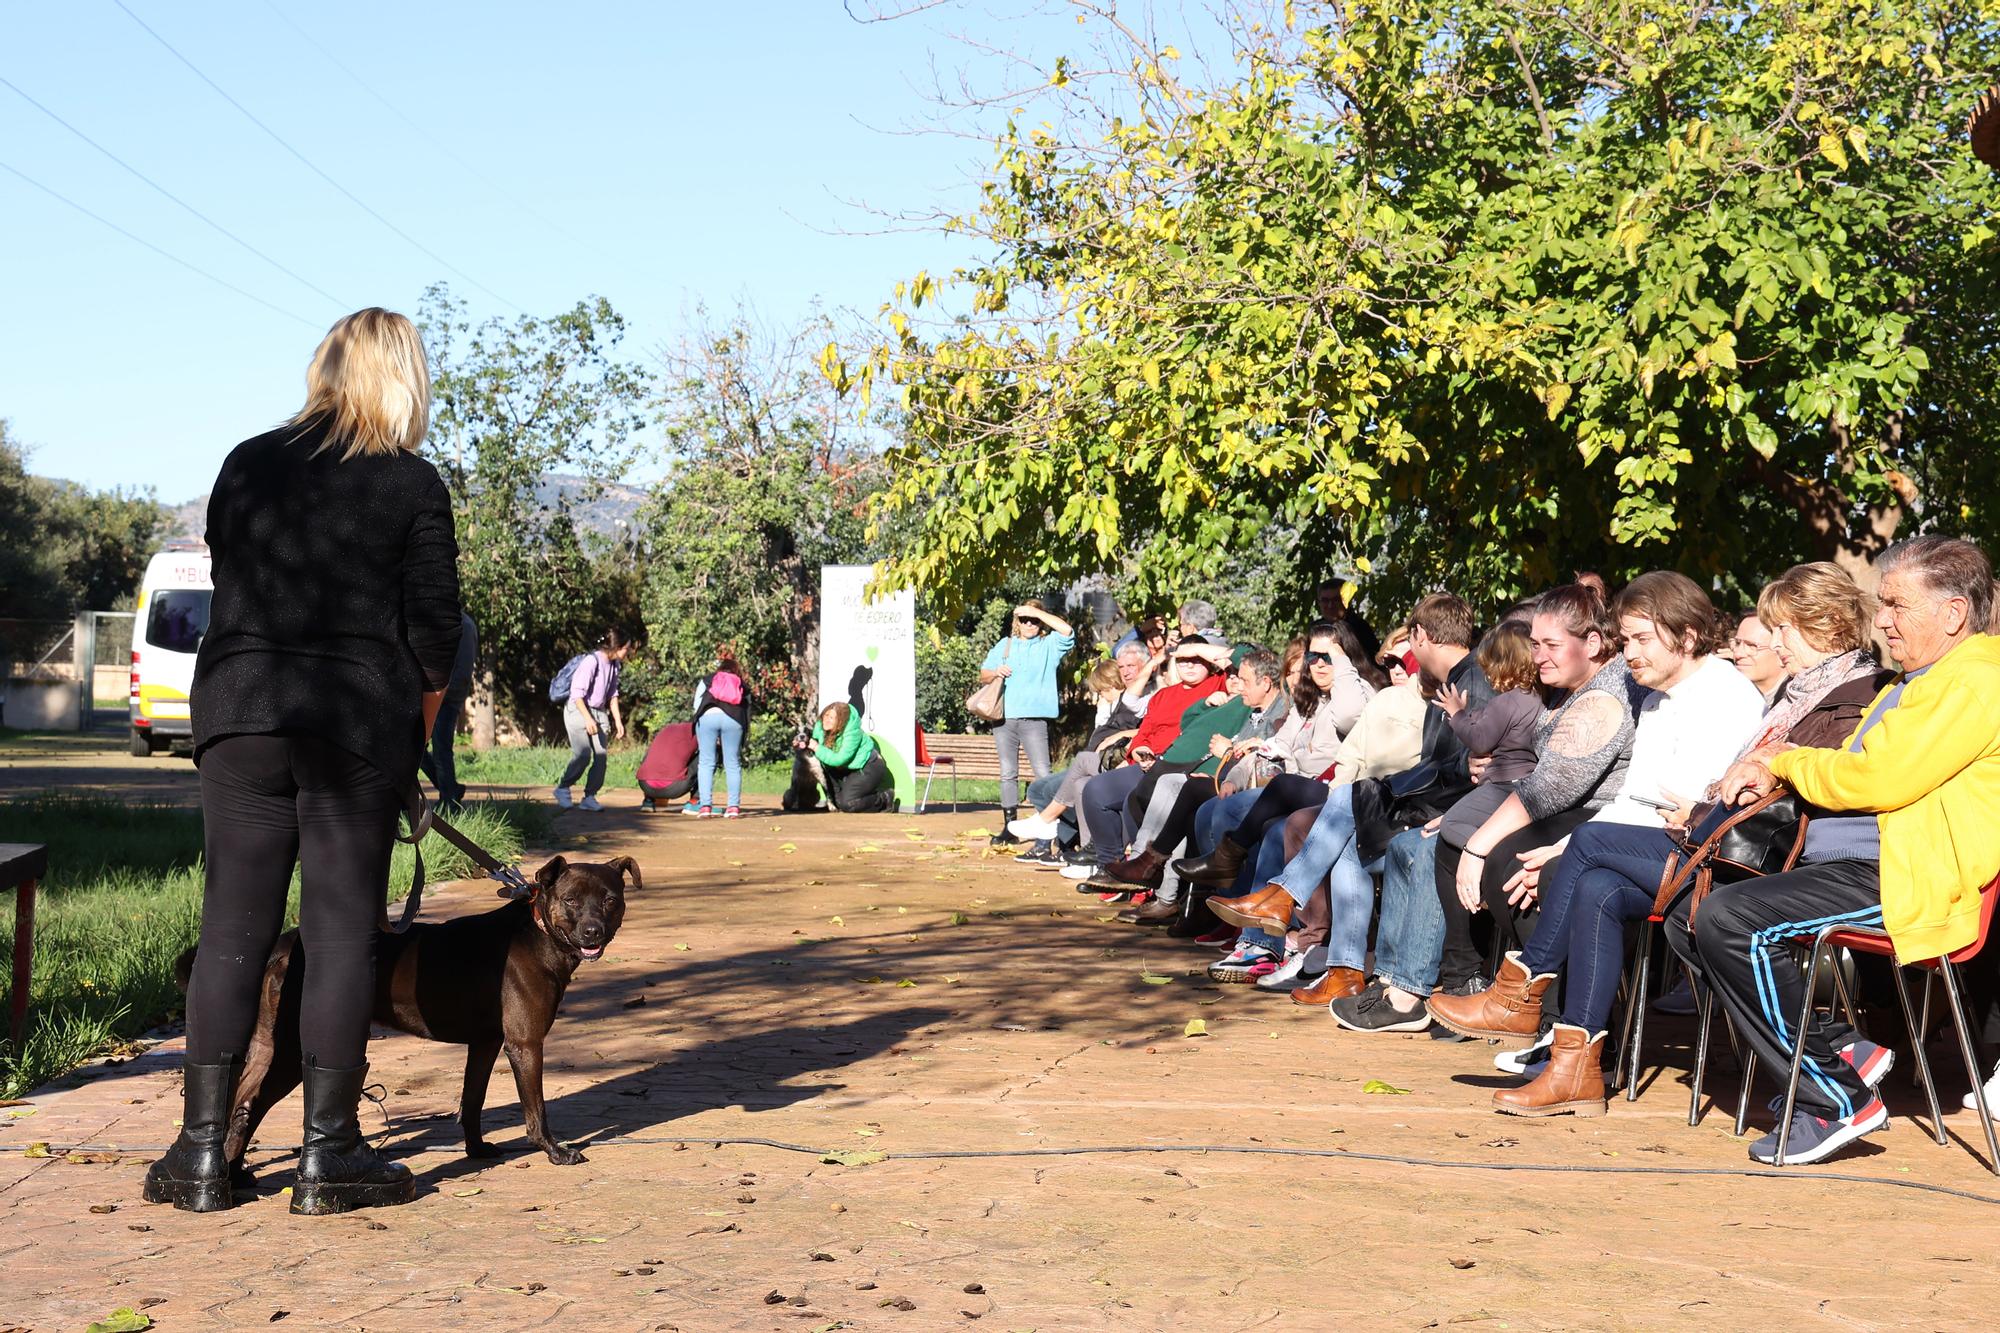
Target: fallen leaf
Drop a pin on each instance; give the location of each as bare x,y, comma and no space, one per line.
37,1149
959,918
101,1208
977,833
1377,1085
835,921
906,982
868,847
1462,1264
634,1002
1195,1028
914,837
871,981
788,847
858,1157
466,1194
683,948
738,864
122,1320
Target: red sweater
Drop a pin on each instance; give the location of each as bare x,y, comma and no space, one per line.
1163,715
667,758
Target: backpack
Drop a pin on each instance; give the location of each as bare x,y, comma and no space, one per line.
559,687
726,687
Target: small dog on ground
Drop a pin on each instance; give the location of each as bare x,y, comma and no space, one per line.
490,983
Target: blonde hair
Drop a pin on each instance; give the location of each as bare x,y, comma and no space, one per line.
1822,602
1105,679
371,384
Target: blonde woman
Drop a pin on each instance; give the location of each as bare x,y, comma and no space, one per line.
329,644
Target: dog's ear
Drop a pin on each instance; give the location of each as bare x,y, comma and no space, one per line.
550,872
625,865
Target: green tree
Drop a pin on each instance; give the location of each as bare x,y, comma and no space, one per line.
517,407
73,548
762,488
1473,292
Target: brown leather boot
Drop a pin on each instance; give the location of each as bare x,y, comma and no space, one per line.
1334,984
1510,1007
1218,869
1573,1084
1147,869
1269,910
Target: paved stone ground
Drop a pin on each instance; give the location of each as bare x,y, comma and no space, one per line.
879,985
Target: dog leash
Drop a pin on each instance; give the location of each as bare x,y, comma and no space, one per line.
424,818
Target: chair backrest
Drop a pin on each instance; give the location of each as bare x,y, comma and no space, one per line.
923,751
1987,897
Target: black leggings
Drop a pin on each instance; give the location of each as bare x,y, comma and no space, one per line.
267,802
1462,960
867,790
1284,795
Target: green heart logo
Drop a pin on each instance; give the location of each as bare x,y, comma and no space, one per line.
874,653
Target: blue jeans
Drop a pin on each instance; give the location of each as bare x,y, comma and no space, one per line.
1043,790
1103,810
1220,815
717,727
1410,940
1330,854
1605,877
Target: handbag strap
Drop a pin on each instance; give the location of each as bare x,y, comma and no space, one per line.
1698,858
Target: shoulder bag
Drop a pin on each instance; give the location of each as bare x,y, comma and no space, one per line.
1762,838
985,703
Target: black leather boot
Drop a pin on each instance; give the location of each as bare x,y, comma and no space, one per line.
1218,869
194,1175
1005,838
338,1171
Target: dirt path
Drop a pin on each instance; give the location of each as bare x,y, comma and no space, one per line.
879,985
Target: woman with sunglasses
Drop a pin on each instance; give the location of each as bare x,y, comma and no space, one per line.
1026,660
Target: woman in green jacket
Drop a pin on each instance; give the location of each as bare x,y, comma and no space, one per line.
856,778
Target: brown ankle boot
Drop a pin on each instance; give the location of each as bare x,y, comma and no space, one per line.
1269,909
1147,869
1510,1007
1334,984
1573,1084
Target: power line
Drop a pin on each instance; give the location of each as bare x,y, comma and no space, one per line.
308,163
444,150
164,254
299,278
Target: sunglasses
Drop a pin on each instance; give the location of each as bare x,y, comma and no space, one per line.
1319,659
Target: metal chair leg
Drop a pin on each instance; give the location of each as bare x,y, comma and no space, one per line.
1749,1058
925,799
1923,1063
1844,993
1798,1051
1971,1063
1637,1035
1704,1003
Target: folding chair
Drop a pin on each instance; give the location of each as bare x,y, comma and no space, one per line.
1877,941
929,763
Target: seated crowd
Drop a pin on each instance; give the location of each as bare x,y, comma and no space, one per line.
1457,834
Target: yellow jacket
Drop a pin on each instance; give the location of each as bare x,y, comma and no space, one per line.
1930,769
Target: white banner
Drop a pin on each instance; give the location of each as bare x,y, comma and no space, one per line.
868,659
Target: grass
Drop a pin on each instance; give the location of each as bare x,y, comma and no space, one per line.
123,901
541,765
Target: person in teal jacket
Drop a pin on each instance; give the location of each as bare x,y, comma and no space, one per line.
856,778
1027,661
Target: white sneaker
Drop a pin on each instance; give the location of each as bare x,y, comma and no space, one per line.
590,803
1297,966
1992,1096
562,798
1033,828
1082,872
1517,1062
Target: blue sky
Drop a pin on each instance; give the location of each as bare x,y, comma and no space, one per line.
686,152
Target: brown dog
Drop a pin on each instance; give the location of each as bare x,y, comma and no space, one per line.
490,982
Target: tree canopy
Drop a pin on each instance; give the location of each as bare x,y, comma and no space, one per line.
1469,292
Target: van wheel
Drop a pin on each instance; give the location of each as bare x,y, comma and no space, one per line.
142,744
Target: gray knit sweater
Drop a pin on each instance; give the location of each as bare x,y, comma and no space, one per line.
1584,745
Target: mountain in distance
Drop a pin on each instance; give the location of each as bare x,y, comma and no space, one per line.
610,514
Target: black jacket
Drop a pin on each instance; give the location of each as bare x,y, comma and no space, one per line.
336,598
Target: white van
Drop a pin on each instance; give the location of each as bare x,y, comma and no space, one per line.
172,617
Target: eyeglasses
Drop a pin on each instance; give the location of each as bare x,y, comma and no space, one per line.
1745,646
1319,659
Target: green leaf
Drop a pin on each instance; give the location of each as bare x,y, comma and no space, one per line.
1387,1089
122,1320
857,1157
1195,1028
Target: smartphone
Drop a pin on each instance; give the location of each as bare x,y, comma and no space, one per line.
1656,803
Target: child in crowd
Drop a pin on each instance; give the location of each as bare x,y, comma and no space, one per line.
1502,731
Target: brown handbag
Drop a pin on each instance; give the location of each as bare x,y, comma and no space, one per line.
1762,838
986,702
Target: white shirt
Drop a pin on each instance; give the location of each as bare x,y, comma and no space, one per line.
1686,739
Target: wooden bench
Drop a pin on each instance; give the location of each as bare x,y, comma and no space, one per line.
972,754
22,866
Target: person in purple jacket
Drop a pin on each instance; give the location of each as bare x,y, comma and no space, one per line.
592,711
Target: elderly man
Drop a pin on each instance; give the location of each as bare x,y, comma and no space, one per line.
1908,847
1754,649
